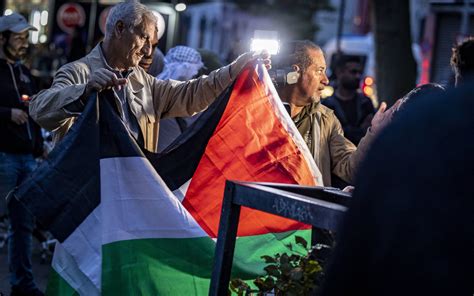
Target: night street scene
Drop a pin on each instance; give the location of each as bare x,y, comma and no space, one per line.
273,147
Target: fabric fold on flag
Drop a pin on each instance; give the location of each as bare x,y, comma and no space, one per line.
120,228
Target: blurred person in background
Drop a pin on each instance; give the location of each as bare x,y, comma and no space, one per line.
153,62
210,60
21,142
181,63
353,109
462,61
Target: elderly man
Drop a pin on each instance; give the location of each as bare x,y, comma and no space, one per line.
21,143
141,99
318,125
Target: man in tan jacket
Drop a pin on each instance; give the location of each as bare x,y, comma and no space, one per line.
141,99
318,125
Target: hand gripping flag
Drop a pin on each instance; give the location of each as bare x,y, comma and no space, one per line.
118,212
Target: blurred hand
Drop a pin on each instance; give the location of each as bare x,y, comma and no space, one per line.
383,116
264,55
19,116
349,189
104,79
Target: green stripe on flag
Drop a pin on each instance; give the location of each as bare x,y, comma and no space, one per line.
182,266
57,286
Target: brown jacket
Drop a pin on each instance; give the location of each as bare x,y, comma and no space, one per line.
334,154
149,99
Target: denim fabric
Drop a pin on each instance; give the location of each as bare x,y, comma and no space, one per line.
14,168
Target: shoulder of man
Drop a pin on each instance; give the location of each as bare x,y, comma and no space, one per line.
323,108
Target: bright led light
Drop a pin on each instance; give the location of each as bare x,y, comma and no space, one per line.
180,7
44,18
8,12
273,46
36,23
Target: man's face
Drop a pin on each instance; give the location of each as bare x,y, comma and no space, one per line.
349,76
312,80
138,43
147,60
16,46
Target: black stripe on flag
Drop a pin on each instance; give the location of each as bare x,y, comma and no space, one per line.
65,188
177,163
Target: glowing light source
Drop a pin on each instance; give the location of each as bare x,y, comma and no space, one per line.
8,12
180,7
271,45
44,18
368,80
36,23
368,91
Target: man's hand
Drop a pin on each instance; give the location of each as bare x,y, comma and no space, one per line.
264,55
383,116
19,116
103,79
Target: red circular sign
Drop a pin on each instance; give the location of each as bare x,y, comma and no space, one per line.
69,16
103,19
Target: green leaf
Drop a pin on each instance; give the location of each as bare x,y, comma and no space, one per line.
272,270
284,259
268,259
260,283
296,274
301,241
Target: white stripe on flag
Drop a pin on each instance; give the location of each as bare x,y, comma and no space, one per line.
288,124
136,203
180,193
78,259
65,265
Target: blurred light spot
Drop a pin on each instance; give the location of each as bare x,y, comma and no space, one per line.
180,7
272,45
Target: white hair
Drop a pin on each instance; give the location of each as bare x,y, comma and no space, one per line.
131,13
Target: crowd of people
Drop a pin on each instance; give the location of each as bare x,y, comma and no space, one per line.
158,96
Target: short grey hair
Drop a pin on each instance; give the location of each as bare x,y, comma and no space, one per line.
131,13
296,52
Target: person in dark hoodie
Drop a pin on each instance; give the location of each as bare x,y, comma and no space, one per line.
409,229
21,142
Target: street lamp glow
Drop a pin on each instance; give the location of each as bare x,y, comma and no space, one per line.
180,7
272,45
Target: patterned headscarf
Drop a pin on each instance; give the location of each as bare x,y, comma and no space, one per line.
181,63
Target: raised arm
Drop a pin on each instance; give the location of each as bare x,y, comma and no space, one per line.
47,107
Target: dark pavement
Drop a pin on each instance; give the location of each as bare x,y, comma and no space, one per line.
40,269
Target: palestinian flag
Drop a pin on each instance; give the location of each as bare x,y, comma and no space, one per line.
130,222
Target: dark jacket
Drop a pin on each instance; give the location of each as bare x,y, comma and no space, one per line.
355,130
14,138
409,229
